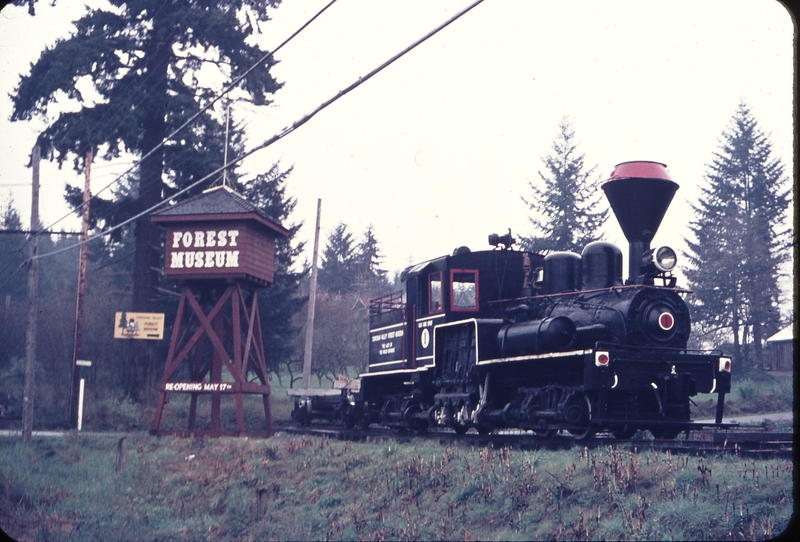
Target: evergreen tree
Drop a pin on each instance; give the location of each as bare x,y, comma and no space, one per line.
370,278
279,304
13,285
740,240
143,58
565,204
339,266
12,253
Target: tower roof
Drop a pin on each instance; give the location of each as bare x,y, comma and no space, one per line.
219,202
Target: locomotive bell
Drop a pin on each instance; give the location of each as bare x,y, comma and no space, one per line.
639,193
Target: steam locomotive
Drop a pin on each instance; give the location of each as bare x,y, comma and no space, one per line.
504,338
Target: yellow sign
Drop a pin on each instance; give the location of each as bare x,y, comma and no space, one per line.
139,325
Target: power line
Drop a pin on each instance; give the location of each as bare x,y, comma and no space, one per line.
283,133
275,138
37,232
191,119
136,163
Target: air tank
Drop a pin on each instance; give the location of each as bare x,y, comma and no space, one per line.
601,264
562,272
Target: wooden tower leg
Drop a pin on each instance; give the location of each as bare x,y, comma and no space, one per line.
196,375
216,373
236,342
169,367
237,303
261,363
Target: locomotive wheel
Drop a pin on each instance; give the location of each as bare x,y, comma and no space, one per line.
665,432
625,432
301,416
578,412
582,434
484,429
540,402
461,420
354,417
545,432
419,427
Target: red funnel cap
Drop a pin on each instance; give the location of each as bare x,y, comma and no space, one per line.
639,194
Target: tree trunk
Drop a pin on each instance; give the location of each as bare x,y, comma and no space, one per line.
737,349
148,237
759,353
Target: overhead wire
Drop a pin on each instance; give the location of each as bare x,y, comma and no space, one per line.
169,137
280,135
202,110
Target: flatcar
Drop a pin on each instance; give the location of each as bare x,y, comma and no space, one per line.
510,339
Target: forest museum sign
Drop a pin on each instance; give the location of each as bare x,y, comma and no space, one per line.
207,240
218,236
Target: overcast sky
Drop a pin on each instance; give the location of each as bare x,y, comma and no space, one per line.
436,151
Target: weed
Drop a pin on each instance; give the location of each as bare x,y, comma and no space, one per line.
310,488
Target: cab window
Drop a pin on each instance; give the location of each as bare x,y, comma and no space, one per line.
464,285
435,292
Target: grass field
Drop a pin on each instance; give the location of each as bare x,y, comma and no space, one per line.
303,488
754,393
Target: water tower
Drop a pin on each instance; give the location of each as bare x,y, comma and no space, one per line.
220,248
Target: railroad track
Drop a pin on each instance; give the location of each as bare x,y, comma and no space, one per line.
745,443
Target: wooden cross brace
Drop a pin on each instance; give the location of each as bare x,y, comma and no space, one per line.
244,352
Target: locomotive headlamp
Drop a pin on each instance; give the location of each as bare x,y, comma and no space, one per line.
664,258
724,365
601,358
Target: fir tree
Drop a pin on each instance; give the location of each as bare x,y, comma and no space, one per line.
565,204
143,59
13,285
740,240
370,277
339,266
12,253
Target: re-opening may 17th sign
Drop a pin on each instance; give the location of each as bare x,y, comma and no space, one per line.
139,325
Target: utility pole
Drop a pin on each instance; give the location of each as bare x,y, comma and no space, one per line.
76,351
312,301
33,282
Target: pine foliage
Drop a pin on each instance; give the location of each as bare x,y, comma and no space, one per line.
740,239
137,70
134,71
350,266
564,203
337,271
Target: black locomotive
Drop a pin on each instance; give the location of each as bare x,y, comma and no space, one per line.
510,339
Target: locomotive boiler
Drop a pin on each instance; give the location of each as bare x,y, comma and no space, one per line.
505,338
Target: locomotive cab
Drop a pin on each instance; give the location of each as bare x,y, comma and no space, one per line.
451,288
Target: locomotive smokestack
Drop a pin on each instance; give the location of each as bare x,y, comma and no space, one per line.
639,194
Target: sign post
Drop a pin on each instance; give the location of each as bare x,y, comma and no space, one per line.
84,365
